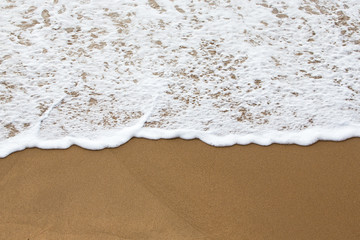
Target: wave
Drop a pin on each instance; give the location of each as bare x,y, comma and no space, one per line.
95,74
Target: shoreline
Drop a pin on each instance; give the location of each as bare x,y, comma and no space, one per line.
182,189
21,143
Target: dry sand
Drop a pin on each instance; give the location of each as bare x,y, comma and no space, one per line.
177,189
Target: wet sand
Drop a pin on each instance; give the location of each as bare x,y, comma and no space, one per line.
177,189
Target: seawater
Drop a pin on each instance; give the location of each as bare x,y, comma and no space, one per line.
97,73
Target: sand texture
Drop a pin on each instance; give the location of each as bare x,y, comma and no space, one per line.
177,189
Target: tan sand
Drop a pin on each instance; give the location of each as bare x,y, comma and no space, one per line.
177,189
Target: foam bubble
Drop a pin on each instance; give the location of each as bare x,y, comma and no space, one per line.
97,73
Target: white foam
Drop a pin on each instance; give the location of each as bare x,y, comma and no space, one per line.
97,73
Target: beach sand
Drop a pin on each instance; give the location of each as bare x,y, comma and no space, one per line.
178,189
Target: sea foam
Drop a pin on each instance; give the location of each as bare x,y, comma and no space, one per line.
97,73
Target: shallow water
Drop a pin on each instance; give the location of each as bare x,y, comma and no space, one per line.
96,73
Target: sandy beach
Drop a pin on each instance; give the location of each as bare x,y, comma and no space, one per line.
98,73
177,189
